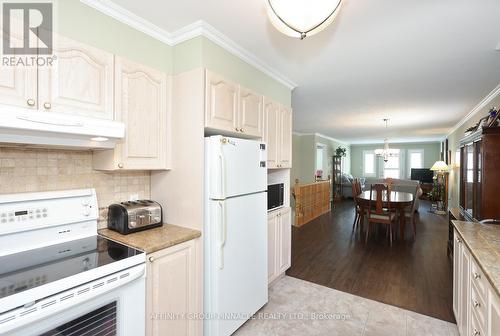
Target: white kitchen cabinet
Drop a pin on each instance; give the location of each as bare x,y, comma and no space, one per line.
170,289
251,113
285,235
18,86
475,304
279,242
278,134
286,137
221,99
493,319
79,82
141,103
272,133
231,109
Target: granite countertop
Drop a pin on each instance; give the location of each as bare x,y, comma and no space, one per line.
483,242
153,240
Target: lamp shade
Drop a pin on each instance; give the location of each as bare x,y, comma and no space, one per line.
301,18
440,166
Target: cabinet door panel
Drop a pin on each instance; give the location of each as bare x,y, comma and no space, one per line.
221,110
464,309
251,116
285,226
18,84
493,314
169,290
79,82
141,105
286,138
456,276
272,247
271,134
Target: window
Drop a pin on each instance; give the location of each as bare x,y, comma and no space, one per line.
392,166
368,163
415,159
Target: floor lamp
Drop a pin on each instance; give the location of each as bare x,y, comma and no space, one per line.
442,169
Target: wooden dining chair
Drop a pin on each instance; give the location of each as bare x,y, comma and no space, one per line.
411,212
357,208
377,213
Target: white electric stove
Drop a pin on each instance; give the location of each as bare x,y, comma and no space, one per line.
58,277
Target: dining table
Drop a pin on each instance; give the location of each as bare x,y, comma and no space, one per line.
398,200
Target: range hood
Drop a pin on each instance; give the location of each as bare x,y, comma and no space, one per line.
49,129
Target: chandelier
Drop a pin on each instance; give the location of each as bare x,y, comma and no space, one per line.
300,18
386,152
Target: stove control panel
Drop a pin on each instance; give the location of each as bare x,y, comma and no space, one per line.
20,215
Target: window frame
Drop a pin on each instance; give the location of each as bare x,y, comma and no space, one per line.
372,152
410,152
398,169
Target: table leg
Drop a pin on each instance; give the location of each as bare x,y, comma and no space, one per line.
402,222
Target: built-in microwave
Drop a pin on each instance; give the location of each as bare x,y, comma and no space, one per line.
275,195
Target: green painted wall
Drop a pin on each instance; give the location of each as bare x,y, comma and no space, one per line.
453,145
85,24
432,151
304,156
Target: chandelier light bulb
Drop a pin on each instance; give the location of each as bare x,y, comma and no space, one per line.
300,18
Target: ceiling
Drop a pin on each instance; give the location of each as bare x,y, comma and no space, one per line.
424,64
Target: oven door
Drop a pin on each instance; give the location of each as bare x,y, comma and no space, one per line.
113,305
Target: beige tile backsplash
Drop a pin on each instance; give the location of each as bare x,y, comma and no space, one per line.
31,170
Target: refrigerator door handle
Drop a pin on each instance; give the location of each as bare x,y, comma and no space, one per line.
223,175
224,234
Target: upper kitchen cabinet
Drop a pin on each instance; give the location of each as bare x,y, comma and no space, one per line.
232,109
18,86
286,137
272,132
79,82
141,103
221,99
251,113
278,135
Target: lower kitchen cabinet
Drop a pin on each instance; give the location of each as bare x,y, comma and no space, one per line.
279,242
171,291
475,303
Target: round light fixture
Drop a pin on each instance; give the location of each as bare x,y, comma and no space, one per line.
301,18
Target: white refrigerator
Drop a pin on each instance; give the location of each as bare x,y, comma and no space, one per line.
235,235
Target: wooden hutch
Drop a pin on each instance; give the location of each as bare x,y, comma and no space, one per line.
479,178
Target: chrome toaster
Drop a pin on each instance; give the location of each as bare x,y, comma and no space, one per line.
133,216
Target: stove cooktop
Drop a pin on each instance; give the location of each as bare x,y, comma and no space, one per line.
22,271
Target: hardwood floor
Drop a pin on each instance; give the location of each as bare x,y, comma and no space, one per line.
414,275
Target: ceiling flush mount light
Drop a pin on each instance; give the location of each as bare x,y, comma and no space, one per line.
302,18
386,152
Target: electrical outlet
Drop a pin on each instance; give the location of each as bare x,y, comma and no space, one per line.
133,197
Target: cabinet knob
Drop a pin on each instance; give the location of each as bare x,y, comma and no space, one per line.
47,105
476,304
476,332
30,102
151,259
120,165
237,129
477,275
241,130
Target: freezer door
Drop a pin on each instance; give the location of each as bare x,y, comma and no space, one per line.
236,283
235,167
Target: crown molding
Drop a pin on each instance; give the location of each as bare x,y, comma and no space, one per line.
321,135
397,141
195,29
486,100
